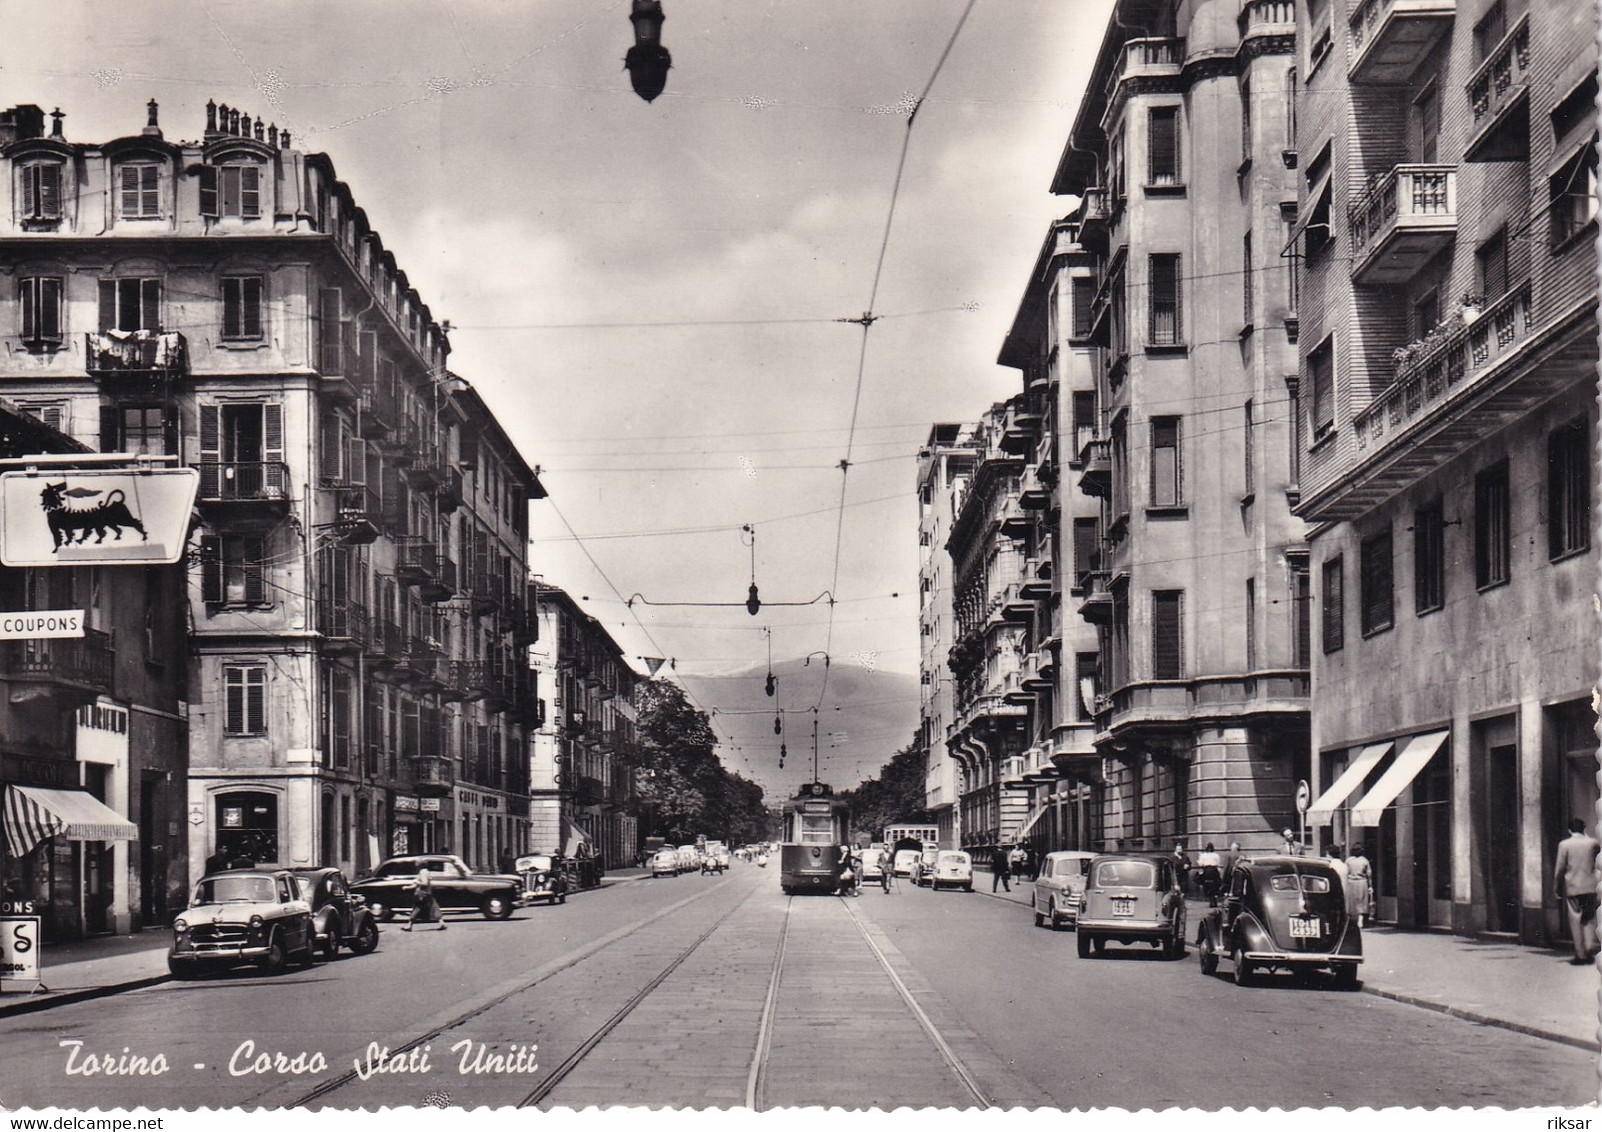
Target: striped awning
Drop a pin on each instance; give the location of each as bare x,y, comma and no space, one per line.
575,838
33,813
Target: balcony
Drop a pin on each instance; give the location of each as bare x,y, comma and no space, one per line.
1020,429
1011,770
1390,38
1095,220
148,354
1153,60
77,669
1402,222
249,484
442,586
1095,468
1014,606
376,413
427,469
1263,18
588,791
416,561
486,593
1011,516
386,644
1097,607
1033,587
343,625
358,513
427,669
1034,678
433,776
449,490
471,678
1499,97
1034,493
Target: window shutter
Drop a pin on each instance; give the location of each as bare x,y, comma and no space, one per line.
28,299
211,570
256,700
355,460
110,418
108,304
1164,145
249,191
330,352
254,551
169,431
330,449
150,304
48,204
275,476
32,175
250,302
149,202
1166,643
208,190
48,320
130,190
210,451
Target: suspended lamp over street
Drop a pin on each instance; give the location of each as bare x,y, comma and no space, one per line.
647,61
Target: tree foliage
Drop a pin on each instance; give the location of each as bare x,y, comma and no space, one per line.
897,795
684,790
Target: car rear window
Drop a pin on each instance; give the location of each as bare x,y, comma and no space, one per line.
1125,874
1286,882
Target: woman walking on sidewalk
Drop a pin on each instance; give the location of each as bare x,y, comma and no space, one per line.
1359,885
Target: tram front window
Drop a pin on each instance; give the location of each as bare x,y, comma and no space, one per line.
817,829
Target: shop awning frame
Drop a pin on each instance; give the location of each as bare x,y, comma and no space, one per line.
33,813
1346,783
1412,759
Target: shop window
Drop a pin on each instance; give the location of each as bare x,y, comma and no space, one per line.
247,827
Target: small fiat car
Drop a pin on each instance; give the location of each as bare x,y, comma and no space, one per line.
339,916
903,861
1132,898
665,863
1060,888
242,916
1282,914
952,869
543,879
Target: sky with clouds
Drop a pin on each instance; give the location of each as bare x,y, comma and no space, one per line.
651,296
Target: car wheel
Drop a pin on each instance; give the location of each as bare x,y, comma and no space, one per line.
1084,946
496,907
330,947
1099,945
1205,952
366,939
1040,917
382,912
1243,967
1176,946
1346,976
967,888
562,899
307,955
275,959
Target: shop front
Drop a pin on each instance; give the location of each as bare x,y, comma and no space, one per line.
60,857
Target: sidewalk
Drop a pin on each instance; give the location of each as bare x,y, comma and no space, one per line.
93,968
1529,990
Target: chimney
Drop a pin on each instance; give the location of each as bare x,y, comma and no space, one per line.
211,120
152,129
21,123
55,124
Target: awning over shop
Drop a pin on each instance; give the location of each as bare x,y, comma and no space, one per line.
33,813
575,838
1320,812
1418,751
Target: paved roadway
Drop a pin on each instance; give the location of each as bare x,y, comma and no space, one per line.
720,991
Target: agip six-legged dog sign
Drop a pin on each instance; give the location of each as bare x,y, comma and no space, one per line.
68,517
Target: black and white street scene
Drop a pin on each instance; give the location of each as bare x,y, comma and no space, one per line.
712,555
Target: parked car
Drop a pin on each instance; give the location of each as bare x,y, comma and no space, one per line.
1060,887
242,916
543,879
689,858
903,861
923,868
952,869
339,916
1132,898
1282,914
456,887
665,863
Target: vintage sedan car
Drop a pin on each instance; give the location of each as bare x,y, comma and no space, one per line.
952,869
543,879
1060,887
242,916
1282,914
339,916
1132,898
870,869
903,861
456,887
664,863
922,867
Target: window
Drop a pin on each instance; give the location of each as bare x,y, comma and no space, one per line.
1247,284
1119,443
1322,42
337,718
1293,269
142,429
1293,401
1301,594
1568,489
1334,610
1086,685
1321,381
230,190
130,304
1491,261
1245,121
1249,444
1251,624
1167,643
1489,31
1492,538
1084,291
234,570
41,191
40,300
1375,584
1084,422
1166,472
1426,313
242,307
1316,236
1166,328
1429,557
1162,123
141,194
1087,552
1573,196
1426,124
245,699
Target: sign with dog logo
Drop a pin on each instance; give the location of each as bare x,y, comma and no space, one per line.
96,517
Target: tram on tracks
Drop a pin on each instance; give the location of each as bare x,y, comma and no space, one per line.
816,824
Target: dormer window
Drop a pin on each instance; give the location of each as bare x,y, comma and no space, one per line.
41,190
140,191
231,190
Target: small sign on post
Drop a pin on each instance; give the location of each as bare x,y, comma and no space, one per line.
96,516
19,952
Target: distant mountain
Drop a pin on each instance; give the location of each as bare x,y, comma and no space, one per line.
865,717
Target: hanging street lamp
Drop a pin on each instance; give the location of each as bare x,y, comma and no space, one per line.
647,61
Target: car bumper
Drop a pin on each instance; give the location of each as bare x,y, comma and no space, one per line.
1301,958
221,953
1141,929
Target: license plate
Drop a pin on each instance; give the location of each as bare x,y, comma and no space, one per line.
1123,906
1306,927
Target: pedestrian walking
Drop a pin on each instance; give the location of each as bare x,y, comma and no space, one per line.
887,870
1000,870
1359,885
1209,873
425,909
1182,865
1337,860
1574,877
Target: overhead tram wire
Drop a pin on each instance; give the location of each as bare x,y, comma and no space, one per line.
868,318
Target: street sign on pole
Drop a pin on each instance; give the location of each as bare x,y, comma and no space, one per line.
1304,796
96,516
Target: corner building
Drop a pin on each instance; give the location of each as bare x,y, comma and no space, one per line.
1447,185
358,592
1199,587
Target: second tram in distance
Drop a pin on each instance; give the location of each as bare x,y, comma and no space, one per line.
816,824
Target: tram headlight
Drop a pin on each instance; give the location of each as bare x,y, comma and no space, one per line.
816,852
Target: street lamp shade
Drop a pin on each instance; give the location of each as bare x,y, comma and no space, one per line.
647,62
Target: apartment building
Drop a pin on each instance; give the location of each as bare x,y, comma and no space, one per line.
1198,589
1448,365
357,597
584,802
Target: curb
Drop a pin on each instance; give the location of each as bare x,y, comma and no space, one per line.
37,1002
1483,1019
